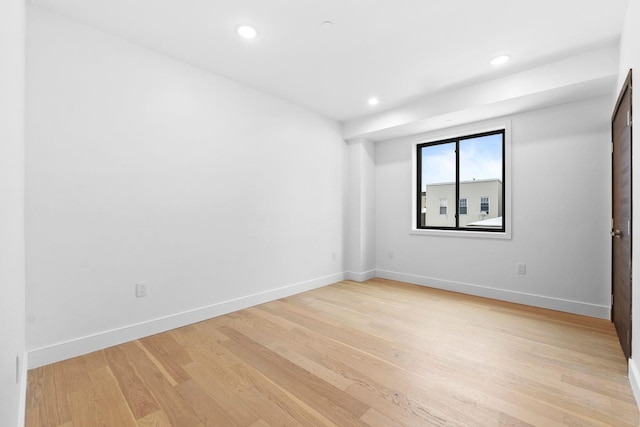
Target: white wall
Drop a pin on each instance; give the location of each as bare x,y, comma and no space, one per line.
360,260
561,209
12,285
630,58
143,168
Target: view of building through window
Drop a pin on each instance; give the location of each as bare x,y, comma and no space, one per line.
461,182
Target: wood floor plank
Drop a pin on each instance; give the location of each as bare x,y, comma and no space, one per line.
507,420
369,369
94,360
363,368
136,394
156,419
177,409
265,331
158,364
83,408
311,366
325,398
379,353
375,418
169,353
286,401
224,396
205,408
319,349
49,381
110,404
74,375
32,417
271,413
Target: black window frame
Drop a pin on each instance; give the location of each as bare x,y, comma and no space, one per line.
457,141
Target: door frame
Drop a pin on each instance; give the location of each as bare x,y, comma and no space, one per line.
626,87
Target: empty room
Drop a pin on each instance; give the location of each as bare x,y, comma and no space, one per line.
330,213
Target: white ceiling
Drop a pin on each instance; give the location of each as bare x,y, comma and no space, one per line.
399,51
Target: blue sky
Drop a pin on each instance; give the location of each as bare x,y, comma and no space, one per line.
480,158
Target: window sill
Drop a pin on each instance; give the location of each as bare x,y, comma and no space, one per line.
506,235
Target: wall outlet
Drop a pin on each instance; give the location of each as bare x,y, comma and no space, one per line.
334,256
141,289
390,255
521,268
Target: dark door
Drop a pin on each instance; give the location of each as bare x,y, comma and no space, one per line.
621,217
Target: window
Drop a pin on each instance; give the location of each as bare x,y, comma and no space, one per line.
473,165
484,206
443,206
463,206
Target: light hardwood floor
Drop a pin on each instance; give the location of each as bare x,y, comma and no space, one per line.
381,353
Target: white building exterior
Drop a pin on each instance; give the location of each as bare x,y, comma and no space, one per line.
480,200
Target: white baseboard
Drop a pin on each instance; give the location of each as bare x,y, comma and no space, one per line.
576,307
22,408
76,347
360,277
634,379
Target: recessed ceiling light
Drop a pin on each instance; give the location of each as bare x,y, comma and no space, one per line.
326,25
247,32
500,60
373,101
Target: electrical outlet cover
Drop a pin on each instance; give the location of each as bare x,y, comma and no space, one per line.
141,289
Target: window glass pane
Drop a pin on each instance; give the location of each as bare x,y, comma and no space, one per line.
463,206
443,206
484,206
481,180
438,178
